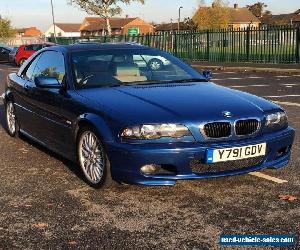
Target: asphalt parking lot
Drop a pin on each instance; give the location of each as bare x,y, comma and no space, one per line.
44,204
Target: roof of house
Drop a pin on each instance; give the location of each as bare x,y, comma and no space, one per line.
69,27
169,26
29,32
97,23
21,30
241,15
282,18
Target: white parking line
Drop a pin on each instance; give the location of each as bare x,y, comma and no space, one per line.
283,76
229,72
281,96
235,78
255,77
288,103
268,177
246,86
290,84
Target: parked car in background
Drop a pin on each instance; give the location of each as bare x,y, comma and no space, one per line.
26,51
4,53
12,55
154,63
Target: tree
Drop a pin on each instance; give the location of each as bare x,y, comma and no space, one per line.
215,17
257,9
6,30
189,24
103,8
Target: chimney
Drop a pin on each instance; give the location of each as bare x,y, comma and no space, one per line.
236,5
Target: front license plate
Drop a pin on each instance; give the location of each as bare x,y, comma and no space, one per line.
237,153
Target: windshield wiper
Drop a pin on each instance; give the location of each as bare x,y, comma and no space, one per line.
145,83
113,85
189,80
167,81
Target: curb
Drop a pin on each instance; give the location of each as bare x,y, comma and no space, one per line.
250,69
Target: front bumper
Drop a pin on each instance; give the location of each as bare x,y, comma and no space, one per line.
127,159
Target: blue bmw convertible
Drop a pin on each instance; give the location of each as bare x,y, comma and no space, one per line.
131,114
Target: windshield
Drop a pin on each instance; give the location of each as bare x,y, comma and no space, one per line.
105,68
6,47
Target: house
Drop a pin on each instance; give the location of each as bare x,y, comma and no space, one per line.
168,27
242,18
28,32
282,19
238,17
96,26
64,30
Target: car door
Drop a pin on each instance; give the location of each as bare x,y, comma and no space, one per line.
51,127
24,111
28,51
4,54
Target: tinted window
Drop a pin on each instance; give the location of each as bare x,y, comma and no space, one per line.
28,48
51,64
29,72
34,47
102,68
4,51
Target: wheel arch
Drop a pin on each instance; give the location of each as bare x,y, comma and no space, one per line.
97,123
8,96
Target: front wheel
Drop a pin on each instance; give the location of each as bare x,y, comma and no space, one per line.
11,121
93,159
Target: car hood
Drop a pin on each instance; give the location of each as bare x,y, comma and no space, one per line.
196,102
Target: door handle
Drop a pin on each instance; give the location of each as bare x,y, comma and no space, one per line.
26,87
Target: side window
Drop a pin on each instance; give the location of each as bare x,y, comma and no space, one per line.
51,64
28,74
37,47
28,48
4,51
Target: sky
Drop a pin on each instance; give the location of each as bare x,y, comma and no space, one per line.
38,12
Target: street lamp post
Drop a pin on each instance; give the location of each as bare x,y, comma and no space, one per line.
179,18
53,21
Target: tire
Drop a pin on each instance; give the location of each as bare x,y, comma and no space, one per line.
155,64
93,160
12,126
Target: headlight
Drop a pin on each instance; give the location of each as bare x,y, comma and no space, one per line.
276,119
156,131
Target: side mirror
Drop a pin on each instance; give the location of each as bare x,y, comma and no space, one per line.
47,82
207,74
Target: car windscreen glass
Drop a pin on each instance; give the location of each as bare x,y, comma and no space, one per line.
104,68
6,48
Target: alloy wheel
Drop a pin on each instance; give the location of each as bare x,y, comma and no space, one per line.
91,157
11,118
155,65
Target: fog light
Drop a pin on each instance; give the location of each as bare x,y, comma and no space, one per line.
150,169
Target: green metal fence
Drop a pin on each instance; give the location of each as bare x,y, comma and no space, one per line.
275,44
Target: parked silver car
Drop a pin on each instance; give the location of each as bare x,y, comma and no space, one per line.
153,62
12,55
